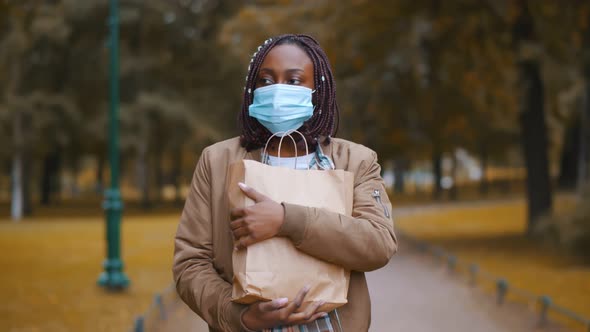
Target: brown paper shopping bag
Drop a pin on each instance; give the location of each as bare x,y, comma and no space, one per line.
275,268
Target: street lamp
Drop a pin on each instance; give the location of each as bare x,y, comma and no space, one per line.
113,277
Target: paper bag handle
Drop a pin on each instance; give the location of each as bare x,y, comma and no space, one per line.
283,134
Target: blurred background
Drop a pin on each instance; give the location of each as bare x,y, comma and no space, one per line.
479,111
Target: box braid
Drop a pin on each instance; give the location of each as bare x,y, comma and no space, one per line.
324,121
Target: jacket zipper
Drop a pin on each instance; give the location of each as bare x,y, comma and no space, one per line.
377,195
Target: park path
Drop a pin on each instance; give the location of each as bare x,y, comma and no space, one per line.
413,294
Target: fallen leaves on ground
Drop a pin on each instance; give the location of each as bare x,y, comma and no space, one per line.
50,268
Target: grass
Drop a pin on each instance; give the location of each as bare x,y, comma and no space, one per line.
492,235
50,266
465,193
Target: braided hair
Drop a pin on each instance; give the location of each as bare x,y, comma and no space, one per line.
324,121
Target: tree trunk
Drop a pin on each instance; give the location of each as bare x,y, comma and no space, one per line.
453,191
532,119
570,154
534,139
399,169
143,176
483,182
16,208
27,175
100,174
50,176
432,50
46,181
584,159
437,173
159,174
176,172
74,188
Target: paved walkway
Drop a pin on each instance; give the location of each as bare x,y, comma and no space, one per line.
413,294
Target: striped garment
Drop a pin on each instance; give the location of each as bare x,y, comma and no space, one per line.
324,324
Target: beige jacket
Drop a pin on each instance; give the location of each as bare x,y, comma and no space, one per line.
362,242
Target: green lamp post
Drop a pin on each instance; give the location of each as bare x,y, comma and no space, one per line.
113,277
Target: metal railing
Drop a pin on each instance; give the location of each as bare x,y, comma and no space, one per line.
502,287
163,304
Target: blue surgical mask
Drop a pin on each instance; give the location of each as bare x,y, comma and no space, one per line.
282,107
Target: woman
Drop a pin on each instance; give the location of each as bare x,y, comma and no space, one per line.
289,86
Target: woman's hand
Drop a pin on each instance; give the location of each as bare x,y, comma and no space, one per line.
265,315
258,222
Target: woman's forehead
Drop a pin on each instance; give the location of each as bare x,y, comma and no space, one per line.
287,55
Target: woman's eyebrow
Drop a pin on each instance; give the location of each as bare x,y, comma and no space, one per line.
294,70
288,71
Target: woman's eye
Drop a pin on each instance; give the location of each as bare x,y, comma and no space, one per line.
265,81
294,81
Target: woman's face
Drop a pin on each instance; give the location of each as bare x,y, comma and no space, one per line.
286,64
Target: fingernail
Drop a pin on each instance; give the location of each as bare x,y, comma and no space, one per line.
324,314
306,288
242,185
282,300
321,303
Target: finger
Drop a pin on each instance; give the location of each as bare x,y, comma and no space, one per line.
315,317
308,314
273,305
252,193
301,295
245,241
237,224
237,213
296,303
240,232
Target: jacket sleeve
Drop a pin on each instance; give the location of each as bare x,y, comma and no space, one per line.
197,282
364,241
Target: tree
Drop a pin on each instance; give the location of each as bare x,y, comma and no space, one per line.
532,115
53,64
32,42
584,131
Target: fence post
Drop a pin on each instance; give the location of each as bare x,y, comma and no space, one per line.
501,288
452,263
545,304
160,305
138,324
422,246
473,269
438,253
